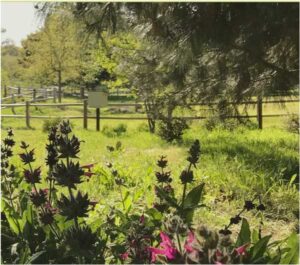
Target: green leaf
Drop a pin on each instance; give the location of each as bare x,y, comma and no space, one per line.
259,249
12,224
36,258
172,202
292,256
244,236
193,197
254,236
154,213
291,182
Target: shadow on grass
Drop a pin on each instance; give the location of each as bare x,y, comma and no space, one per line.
268,157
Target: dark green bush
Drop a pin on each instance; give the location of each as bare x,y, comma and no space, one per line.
171,130
292,123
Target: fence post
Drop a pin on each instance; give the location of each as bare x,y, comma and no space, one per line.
19,90
27,114
85,114
259,112
33,94
13,101
97,119
54,94
5,91
82,92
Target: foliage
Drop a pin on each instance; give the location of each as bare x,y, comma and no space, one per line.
48,124
172,129
292,123
116,131
53,225
233,61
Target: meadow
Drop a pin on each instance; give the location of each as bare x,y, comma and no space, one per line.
234,164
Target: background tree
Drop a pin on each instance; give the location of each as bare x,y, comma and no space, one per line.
52,55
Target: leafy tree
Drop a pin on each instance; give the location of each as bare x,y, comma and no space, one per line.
211,51
52,54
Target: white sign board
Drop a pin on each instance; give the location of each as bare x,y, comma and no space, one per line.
97,99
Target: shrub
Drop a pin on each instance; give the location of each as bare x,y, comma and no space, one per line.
119,130
48,124
292,123
170,130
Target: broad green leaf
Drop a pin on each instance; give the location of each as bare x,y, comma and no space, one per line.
36,258
254,236
193,197
292,256
259,249
12,224
244,236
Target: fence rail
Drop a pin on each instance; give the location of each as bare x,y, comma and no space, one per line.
259,105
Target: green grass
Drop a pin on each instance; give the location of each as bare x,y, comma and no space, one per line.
234,165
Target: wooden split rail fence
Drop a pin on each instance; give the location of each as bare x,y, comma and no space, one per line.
259,115
29,94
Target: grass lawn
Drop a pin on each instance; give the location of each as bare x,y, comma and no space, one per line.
235,165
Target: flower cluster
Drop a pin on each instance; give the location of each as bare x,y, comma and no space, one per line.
248,206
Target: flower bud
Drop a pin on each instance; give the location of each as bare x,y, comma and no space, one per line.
187,176
249,205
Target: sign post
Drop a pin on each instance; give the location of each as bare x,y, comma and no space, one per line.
97,98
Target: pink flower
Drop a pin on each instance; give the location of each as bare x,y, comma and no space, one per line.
241,251
89,166
89,174
219,253
189,242
167,248
124,256
219,263
142,219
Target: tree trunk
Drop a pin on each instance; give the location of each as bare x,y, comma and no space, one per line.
150,116
59,86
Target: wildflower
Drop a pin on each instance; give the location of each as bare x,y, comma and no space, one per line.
194,153
32,177
167,248
187,176
249,205
225,232
261,207
188,246
162,162
235,220
24,145
142,219
124,256
9,142
27,157
46,216
163,176
89,166
219,253
241,251
89,174
38,198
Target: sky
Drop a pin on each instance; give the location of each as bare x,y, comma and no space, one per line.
19,19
